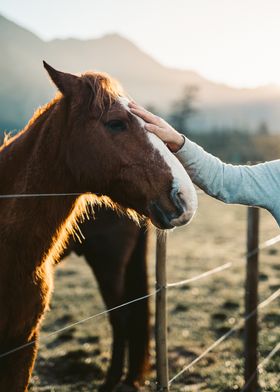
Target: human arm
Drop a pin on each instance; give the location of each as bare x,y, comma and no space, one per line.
257,185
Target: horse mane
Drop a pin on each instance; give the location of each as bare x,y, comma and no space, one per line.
42,109
9,138
81,211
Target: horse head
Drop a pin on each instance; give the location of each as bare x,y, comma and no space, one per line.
111,153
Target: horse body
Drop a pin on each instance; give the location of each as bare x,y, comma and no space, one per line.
81,142
116,250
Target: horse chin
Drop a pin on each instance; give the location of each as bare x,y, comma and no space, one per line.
162,225
159,217
171,224
184,219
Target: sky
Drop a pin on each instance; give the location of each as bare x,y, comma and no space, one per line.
236,42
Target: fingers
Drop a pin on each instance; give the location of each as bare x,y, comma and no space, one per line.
146,116
133,103
154,123
134,106
152,128
158,131
159,127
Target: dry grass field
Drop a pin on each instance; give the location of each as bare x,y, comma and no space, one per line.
198,313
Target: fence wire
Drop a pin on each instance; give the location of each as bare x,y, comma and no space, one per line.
261,305
78,322
201,276
262,246
27,195
261,366
225,266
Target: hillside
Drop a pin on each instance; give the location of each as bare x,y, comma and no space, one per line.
24,84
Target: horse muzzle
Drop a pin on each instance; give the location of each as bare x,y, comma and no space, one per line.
183,209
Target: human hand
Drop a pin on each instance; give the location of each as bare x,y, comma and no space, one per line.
173,139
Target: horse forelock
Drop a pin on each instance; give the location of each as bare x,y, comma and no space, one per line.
104,90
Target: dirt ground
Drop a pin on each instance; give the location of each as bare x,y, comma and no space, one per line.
198,313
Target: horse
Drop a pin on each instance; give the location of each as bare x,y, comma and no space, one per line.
84,146
114,245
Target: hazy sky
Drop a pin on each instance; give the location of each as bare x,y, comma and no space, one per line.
231,41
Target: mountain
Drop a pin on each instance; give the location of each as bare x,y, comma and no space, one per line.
24,84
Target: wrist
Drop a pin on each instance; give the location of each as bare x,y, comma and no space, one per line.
177,143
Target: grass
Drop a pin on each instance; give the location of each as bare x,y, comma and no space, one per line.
198,313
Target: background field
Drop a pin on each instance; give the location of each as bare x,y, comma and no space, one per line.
199,313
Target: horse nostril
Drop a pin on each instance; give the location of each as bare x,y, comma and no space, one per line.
168,217
178,200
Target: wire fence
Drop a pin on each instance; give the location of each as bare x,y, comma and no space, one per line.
262,364
270,242
77,323
262,305
203,275
251,383
225,266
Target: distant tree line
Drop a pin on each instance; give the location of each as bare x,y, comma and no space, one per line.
233,145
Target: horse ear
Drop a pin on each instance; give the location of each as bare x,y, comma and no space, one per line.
65,82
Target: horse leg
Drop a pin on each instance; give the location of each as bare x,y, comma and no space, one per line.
138,329
115,371
19,326
16,367
109,272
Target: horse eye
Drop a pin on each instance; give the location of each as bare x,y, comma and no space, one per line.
115,125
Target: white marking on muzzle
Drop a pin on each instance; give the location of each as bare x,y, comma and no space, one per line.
181,179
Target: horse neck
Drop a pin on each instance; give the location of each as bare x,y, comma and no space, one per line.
34,162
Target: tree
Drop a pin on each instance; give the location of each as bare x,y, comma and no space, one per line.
263,128
183,109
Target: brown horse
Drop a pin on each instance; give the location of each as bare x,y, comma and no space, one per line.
113,246
84,141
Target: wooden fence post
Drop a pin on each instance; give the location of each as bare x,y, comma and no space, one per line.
251,300
161,322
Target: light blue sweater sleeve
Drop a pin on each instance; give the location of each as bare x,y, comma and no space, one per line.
257,185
